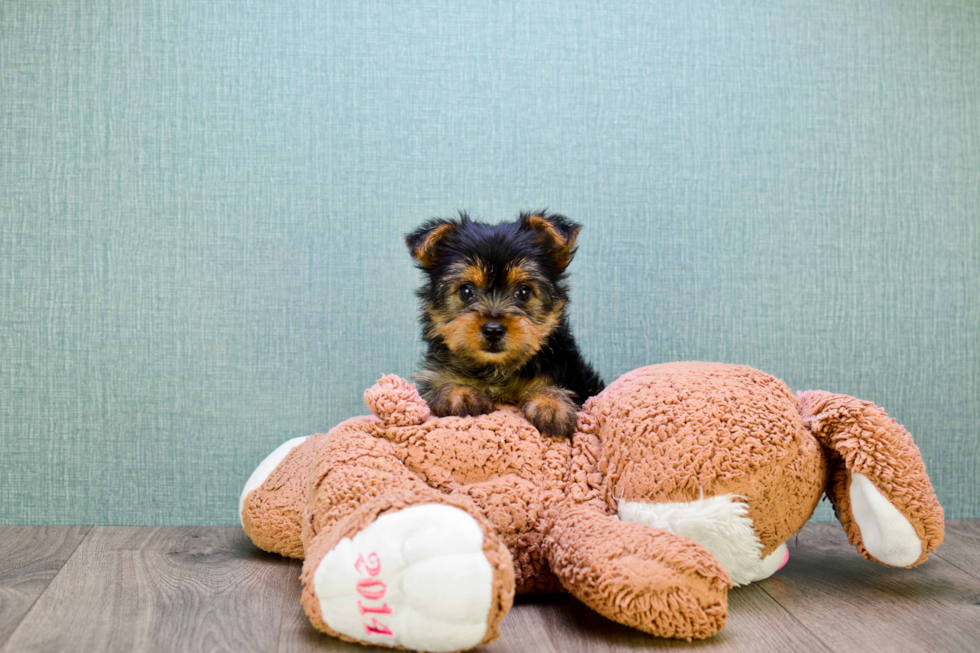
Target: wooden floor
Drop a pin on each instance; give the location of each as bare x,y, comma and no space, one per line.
97,589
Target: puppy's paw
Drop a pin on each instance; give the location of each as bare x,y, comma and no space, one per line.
459,400
552,413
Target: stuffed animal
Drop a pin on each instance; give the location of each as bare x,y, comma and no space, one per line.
680,481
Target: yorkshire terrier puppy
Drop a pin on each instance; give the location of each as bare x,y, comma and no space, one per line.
493,316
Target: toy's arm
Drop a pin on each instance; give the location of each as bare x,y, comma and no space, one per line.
878,482
650,579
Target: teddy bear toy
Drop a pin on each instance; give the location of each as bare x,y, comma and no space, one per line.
680,481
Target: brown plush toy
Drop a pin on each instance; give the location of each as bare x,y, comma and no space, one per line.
680,481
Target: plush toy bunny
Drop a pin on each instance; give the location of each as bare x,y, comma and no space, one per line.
680,481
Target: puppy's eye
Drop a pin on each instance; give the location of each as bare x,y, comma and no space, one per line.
466,292
523,293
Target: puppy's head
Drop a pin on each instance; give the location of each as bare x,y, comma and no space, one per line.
494,293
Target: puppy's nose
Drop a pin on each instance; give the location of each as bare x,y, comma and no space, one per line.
493,331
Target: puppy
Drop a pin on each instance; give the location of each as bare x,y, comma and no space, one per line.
493,316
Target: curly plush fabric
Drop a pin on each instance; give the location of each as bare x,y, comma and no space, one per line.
682,431
622,514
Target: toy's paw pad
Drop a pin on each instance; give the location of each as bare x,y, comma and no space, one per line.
416,578
886,533
459,401
551,414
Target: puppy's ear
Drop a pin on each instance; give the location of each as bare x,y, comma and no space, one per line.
422,242
555,233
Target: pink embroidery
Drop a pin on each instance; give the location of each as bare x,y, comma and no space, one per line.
384,609
377,628
364,588
372,589
372,558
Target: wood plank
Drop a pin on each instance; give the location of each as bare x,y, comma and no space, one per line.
30,557
961,547
755,622
159,589
187,589
525,629
853,604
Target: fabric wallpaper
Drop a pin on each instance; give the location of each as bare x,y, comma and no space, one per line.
202,207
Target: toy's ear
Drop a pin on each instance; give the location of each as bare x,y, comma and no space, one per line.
423,242
878,483
555,233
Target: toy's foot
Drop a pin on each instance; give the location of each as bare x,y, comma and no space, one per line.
416,578
271,504
886,533
265,468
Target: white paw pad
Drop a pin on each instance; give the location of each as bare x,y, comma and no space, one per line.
416,578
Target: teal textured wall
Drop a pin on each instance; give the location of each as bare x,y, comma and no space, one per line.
202,206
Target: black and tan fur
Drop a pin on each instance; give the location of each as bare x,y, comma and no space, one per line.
493,316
